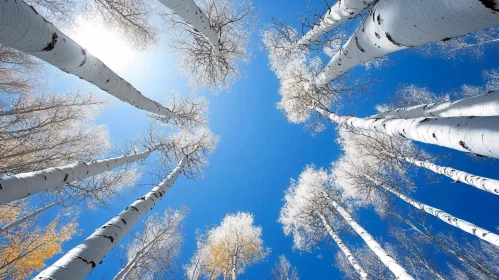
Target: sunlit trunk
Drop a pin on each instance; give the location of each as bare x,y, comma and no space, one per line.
195,17
23,29
451,220
25,184
485,184
477,106
342,11
386,259
476,135
395,25
80,261
348,254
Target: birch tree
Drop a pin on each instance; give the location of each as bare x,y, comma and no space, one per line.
398,25
369,261
27,31
229,248
210,39
383,155
94,192
355,169
24,250
156,251
283,270
340,12
312,184
81,260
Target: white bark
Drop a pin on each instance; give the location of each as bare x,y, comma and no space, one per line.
35,213
25,184
386,259
477,135
399,24
483,183
80,261
351,259
481,105
23,29
342,11
195,17
451,220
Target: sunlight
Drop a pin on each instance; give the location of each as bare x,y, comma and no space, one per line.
104,44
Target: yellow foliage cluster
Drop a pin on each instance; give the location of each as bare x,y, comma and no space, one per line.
24,250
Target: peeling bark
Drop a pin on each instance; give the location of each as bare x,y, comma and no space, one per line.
80,261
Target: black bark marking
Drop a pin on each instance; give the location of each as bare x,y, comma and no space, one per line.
481,156
134,208
391,40
87,262
1,187
446,39
123,220
424,120
85,57
51,45
380,20
358,45
108,237
377,35
66,177
490,4
462,144
434,136
142,198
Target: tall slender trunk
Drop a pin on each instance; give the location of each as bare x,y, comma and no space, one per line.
125,271
25,184
386,259
35,213
80,261
395,25
482,183
233,272
342,11
476,106
477,135
195,17
466,226
25,30
351,259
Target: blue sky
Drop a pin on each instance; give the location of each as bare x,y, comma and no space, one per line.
259,151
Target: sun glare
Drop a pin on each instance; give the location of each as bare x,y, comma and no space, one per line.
104,44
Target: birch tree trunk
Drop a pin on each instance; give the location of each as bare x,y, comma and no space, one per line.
482,183
451,220
195,17
386,259
399,24
23,29
342,11
125,271
26,184
35,213
80,261
351,259
476,106
477,135
233,271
